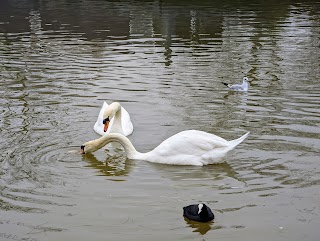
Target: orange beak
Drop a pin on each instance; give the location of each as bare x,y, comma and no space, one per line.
106,125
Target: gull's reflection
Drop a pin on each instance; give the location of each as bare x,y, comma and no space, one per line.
198,227
237,96
236,101
114,165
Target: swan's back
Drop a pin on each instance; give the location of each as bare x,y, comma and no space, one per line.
192,140
187,148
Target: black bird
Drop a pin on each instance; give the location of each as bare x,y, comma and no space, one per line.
198,212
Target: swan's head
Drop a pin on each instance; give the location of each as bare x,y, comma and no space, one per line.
245,79
90,146
106,122
109,113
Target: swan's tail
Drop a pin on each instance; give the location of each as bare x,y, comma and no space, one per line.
234,143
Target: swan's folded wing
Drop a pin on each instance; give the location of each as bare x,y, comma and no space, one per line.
204,138
206,143
190,142
126,123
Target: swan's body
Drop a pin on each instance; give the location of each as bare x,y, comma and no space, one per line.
198,212
189,147
239,87
120,121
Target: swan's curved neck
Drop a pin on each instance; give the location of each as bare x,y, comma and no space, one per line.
116,112
124,141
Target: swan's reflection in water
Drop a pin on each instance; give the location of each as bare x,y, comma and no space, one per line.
198,227
192,173
113,165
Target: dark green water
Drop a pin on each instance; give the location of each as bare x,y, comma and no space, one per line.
164,61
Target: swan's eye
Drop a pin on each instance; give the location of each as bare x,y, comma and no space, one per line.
105,120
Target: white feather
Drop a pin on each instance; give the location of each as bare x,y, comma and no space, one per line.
126,124
189,147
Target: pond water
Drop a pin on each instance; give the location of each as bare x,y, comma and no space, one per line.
165,62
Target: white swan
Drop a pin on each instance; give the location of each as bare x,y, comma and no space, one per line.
237,87
189,147
113,118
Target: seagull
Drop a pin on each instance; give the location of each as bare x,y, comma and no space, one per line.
237,87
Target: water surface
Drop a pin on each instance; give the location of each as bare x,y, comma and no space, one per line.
165,62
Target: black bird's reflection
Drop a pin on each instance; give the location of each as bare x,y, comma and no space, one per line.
198,227
115,165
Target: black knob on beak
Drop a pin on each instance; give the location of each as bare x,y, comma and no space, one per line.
105,120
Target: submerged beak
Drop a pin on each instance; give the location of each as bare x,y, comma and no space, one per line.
106,122
82,150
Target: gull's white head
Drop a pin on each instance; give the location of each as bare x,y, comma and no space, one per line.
245,79
200,206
